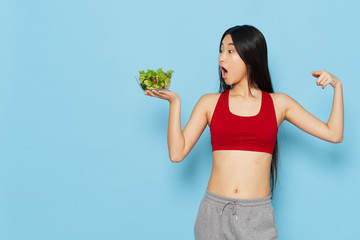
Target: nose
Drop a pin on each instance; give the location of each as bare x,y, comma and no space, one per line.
221,57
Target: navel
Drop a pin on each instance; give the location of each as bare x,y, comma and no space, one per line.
236,190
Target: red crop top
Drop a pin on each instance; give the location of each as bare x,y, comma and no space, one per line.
251,133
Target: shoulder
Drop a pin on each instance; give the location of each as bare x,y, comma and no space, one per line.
281,99
280,96
208,100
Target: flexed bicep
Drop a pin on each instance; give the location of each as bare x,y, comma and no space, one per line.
301,118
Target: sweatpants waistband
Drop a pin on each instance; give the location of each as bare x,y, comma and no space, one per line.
221,200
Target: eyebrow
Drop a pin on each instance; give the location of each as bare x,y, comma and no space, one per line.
228,44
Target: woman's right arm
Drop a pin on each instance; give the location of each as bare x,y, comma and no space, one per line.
176,139
180,142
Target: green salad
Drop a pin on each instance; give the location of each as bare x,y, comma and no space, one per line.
151,80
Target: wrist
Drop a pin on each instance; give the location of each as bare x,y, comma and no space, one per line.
174,100
338,84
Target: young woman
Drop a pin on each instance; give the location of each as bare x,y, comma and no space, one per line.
244,118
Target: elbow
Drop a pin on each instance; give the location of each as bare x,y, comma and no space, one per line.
175,159
337,139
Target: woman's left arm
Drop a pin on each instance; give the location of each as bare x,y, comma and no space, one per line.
331,131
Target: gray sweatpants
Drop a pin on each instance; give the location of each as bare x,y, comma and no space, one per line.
221,217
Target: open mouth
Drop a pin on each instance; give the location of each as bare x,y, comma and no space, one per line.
223,72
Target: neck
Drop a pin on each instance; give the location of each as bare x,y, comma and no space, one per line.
242,88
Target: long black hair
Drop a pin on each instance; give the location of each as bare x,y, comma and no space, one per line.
251,46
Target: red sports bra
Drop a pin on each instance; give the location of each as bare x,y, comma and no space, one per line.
251,133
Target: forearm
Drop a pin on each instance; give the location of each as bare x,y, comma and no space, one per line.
176,140
336,120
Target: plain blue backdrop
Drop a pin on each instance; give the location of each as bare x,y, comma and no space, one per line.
83,153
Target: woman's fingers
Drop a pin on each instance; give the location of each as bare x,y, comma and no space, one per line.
159,94
152,93
316,72
325,83
325,78
320,80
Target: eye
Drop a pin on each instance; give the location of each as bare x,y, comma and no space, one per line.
231,51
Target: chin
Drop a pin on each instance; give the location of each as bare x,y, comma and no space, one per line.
228,82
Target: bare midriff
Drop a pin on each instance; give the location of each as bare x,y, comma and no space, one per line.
240,174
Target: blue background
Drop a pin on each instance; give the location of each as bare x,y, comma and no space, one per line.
83,153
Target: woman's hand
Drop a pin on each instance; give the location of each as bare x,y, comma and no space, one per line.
166,94
324,78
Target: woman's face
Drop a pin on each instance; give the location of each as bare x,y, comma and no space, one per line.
232,67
